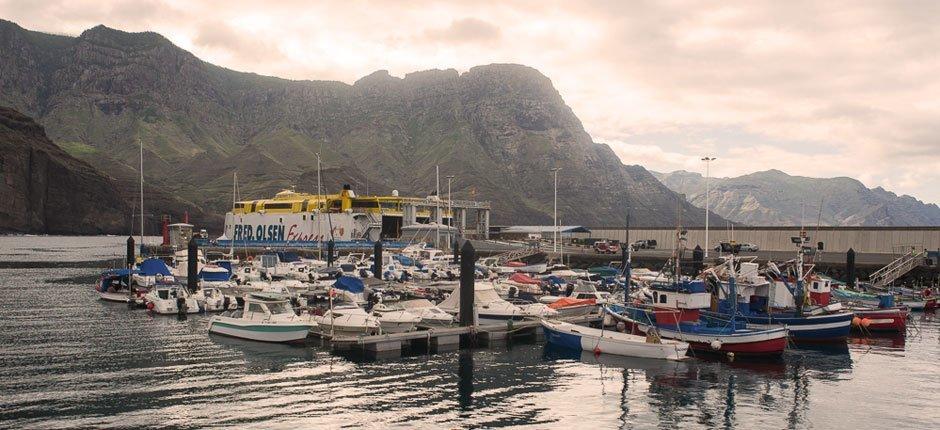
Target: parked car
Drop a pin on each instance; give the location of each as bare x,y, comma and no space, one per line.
643,244
602,247
733,247
613,247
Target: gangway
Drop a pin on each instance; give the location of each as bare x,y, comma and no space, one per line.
884,276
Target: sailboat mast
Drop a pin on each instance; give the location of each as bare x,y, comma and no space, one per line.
231,248
437,215
141,143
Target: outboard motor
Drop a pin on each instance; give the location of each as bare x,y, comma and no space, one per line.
568,290
181,306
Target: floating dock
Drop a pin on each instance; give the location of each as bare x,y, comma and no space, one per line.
441,339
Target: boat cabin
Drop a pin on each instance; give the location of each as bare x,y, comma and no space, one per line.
686,294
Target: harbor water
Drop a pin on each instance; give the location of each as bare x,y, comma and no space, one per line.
68,359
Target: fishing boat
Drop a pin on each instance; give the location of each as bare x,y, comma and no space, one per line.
881,317
169,299
602,341
266,318
790,298
395,320
430,314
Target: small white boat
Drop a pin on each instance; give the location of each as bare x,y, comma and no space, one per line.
266,318
168,299
490,307
346,319
394,320
612,342
430,314
112,286
211,299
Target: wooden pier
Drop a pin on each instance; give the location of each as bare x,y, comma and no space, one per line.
441,339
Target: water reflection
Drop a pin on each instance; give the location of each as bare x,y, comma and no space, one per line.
260,356
465,379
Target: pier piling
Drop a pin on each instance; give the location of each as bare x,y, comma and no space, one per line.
192,274
130,252
377,257
850,268
467,271
329,253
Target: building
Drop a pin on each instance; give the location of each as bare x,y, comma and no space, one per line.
522,232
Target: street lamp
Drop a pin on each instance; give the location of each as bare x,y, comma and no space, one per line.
319,215
707,161
555,216
450,204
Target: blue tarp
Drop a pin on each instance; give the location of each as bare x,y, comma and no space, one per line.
348,283
554,280
288,257
153,267
404,260
225,264
214,276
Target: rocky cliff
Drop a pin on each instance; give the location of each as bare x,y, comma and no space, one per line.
499,128
775,198
45,190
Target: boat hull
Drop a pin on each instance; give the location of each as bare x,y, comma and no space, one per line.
589,339
114,297
277,333
763,343
814,328
882,320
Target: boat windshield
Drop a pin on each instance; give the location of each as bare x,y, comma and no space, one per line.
277,308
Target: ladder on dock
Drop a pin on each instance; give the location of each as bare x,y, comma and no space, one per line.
896,269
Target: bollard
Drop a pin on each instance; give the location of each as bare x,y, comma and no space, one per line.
467,260
192,274
329,253
377,257
850,268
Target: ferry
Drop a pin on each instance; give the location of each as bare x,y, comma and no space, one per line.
301,220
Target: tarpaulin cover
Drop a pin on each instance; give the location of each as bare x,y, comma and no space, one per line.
348,283
564,302
154,267
524,279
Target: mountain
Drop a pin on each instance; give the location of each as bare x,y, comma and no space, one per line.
499,129
45,190
775,198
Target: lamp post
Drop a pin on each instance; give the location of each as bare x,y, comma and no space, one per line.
319,219
707,161
450,204
555,213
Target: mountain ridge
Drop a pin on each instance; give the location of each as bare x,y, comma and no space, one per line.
773,197
499,128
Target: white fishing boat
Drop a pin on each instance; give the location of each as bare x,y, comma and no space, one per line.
395,320
167,299
430,314
612,342
266,318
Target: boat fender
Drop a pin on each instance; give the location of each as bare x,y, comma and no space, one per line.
149,306
597,351
856,321
866,322
730,357
621,327
716,344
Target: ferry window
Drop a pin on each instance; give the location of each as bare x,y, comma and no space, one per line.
662,298
303,205
280,220
278,206
365,204
305,217
254,307
254,206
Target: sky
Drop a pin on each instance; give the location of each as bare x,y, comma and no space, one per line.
822,89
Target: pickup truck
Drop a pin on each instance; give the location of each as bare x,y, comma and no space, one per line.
643,244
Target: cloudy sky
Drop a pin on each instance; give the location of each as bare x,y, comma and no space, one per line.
811,88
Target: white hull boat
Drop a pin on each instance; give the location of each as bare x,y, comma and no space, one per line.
395,320
266,318
167,300
612,342
430,314
346,320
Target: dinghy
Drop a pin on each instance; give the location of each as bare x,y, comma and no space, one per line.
266,318
612,342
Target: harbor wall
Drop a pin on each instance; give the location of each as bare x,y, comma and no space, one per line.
835,239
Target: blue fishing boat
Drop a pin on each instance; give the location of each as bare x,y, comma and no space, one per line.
785,299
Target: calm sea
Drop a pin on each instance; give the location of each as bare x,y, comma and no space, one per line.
70,360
